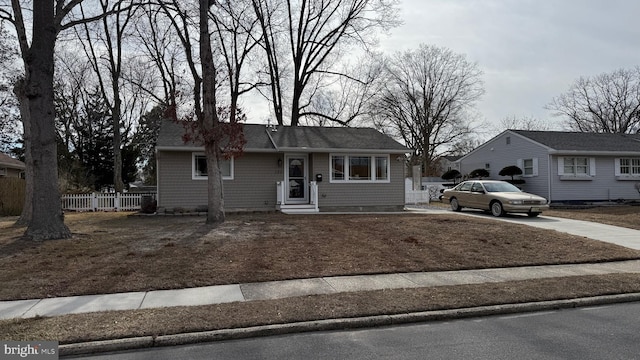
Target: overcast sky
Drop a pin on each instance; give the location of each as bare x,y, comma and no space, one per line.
529,50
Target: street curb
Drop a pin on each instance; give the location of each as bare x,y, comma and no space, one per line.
334,324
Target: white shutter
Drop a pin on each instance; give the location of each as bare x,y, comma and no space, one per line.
520,164
592,166
535,166
560,166
617,166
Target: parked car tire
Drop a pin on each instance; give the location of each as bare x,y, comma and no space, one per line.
497,209
533,214
455,206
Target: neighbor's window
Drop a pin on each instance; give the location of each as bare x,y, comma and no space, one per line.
359,168
199,166
578,166
527,167
630,166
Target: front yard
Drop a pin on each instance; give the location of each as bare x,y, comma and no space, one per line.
115,252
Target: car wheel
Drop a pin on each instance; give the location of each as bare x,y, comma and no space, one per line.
496,208
455,206
533,214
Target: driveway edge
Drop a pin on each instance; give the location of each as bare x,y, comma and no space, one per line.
335,324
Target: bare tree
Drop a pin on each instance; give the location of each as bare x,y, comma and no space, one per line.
219,139
35,93
104,44
514,122
235,32
306,39
607,103
9,109
426,100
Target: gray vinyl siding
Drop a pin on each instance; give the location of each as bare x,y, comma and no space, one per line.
498,154
333,196
253,185
602,187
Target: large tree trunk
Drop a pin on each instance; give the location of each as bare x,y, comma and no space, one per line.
23,100
47,221
209,121
118,184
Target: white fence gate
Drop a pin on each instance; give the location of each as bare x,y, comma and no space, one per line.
103,201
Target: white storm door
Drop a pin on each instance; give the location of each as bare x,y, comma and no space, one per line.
296,179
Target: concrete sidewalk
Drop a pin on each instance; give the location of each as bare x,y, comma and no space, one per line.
330,285
291,288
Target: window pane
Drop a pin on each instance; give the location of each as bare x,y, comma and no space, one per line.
359,168
337,167
225,167
382,171
635,166
201,165
528,166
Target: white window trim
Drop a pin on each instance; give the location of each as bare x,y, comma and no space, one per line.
619,175
372,180
195,176
520,164
3,171
572,176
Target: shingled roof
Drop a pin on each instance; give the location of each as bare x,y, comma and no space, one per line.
9,162
581,141
261,138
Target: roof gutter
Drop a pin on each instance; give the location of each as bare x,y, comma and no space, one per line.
594,153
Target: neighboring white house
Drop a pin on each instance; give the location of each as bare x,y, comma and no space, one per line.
564,166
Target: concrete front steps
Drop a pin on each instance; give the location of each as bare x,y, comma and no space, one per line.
299,209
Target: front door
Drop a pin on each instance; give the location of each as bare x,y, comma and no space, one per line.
297,189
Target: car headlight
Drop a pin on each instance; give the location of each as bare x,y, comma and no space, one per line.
515,202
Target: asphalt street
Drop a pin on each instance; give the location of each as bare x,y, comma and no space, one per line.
604,332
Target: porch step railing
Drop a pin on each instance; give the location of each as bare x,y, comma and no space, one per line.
281,196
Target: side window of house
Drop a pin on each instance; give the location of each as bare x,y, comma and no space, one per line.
576,167
359,168
199,167
529,167
628,167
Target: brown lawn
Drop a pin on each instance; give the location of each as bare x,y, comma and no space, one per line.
115,252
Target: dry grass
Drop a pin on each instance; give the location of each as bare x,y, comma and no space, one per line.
113,252
622,215
155,322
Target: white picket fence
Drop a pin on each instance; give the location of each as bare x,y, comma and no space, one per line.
103,201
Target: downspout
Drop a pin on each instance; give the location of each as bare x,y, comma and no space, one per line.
549,176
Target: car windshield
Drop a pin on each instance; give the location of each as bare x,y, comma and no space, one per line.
500,187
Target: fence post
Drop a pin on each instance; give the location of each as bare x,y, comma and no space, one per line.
94,201
116,202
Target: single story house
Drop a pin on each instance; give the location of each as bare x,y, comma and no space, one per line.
564,166
305,169
10,167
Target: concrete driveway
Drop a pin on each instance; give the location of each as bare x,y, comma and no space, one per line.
629,238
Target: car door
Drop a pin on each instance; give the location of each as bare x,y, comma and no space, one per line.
478,196
463,194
